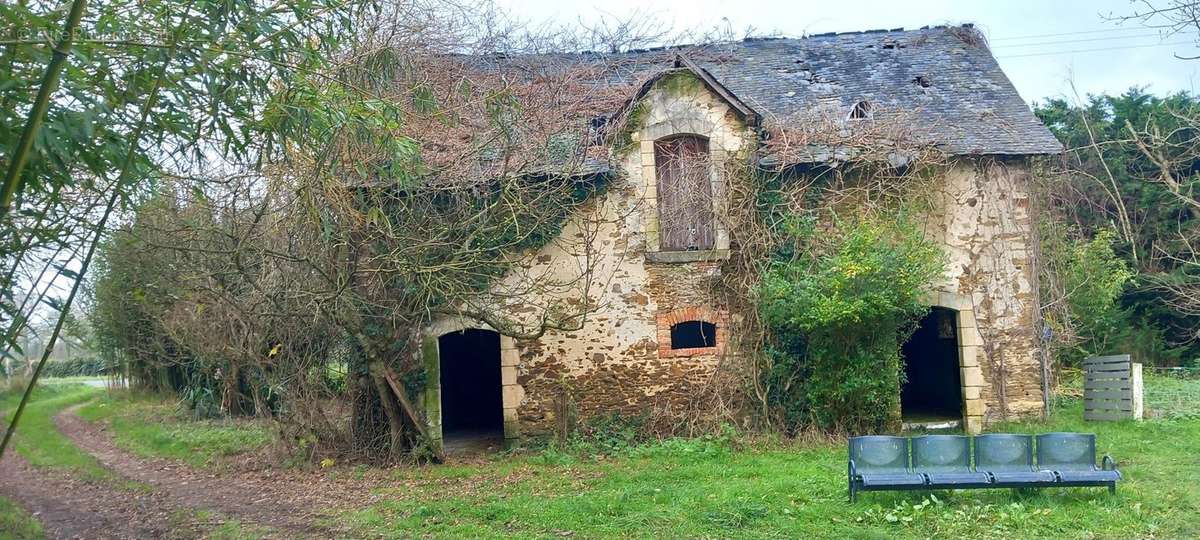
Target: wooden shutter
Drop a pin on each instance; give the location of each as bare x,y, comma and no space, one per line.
685,206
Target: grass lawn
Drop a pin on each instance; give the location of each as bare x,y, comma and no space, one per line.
712,488
17,524
153,427
697,489
37,438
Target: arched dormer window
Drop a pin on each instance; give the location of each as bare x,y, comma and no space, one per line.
861,110
685,201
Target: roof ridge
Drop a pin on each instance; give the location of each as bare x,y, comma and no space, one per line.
752,39
885,30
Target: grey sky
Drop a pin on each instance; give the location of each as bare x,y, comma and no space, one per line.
1028,37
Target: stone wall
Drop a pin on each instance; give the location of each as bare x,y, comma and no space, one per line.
981,217
608,259
612,363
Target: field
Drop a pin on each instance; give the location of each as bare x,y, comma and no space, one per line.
732,486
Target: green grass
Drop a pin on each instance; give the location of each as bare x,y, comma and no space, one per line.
17,524
1172,397
697,489
693,488
153,427
38,439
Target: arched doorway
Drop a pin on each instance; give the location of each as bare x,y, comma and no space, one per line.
932,392
470,382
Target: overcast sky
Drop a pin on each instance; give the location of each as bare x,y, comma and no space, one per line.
1041,44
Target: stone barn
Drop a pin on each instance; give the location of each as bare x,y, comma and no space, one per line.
656,334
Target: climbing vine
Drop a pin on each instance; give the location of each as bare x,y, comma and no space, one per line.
837,313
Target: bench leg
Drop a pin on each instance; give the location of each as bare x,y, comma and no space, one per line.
1112,488
853,494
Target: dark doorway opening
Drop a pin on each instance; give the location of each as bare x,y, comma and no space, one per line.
933,389
472,406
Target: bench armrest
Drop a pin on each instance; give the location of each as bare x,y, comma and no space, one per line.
851,470
1108,463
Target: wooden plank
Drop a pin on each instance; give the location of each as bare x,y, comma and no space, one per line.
1100,370
1106,367
1123,405
1106,359
684,193
1128,398
1124,384
1100,380
1108,394
1106,415
411,411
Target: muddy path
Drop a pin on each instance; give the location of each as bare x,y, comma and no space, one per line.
286,505
72,508
165,498
162,498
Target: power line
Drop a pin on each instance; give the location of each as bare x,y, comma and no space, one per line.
1081,32
1110,38
1050,53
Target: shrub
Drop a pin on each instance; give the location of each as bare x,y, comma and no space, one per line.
1093,278
837,312
77,367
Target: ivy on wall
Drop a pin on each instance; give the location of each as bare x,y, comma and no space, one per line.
837,311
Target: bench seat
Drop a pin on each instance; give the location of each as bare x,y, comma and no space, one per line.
957,479
1072,457
870,480
946,461
1088,476
1024,477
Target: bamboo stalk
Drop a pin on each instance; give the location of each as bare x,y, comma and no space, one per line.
20,155
126,166
62,318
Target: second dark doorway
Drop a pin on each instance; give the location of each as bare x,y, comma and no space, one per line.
470,380
933,390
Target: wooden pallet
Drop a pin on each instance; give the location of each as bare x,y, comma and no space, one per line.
1108,388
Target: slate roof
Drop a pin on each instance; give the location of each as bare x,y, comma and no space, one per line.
950,82
944,78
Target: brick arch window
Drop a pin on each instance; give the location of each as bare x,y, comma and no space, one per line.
692,331
693,334
685,199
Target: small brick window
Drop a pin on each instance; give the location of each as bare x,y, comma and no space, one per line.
692,331
693,335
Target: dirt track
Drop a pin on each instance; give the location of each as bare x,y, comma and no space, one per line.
159,498
71,508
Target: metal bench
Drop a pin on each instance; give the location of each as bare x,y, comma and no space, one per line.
1008,459
945,460
1072,458
880,462
885,463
